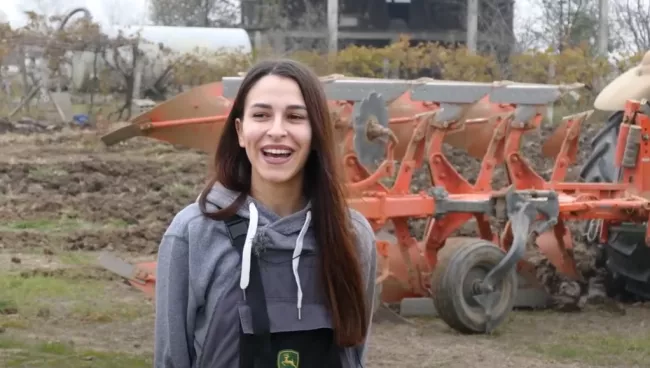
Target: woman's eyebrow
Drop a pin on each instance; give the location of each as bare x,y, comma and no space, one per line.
290,107
262,105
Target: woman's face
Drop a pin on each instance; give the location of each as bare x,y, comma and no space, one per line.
275,130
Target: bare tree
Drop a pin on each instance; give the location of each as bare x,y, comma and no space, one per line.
631,24
195,13
115,14
568,23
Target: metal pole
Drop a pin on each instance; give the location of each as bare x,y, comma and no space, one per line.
472,25
333,25
603,25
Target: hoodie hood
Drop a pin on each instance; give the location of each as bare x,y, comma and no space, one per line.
267,230
267,220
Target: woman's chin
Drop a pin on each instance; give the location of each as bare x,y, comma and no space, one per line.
278,176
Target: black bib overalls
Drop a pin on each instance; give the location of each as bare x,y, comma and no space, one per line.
263,349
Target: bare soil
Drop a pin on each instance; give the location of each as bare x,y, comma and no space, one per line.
64,197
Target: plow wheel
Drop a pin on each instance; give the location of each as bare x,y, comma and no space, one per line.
462,264
626,256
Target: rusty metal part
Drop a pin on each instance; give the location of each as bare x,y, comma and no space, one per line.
423,115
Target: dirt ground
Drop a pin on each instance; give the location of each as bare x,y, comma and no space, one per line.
64,197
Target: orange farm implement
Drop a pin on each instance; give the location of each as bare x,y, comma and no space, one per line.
390,128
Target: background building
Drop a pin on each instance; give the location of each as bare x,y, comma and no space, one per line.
291,24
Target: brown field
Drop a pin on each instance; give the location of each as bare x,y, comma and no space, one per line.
64,197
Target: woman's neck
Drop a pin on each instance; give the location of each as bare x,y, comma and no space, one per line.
284,199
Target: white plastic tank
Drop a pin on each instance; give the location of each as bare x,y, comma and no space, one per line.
179,40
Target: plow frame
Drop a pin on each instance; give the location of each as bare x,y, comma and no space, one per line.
530,206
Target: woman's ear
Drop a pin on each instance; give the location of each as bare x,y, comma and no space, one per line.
240,135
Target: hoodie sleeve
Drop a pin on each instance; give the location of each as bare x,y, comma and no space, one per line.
174,312
368,252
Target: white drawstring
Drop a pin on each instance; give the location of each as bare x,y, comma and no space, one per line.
296,260
248,246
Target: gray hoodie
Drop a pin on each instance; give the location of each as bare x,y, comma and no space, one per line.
199,276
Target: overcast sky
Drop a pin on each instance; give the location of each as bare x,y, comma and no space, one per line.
112,11
104,11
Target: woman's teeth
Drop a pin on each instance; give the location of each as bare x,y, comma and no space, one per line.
277,152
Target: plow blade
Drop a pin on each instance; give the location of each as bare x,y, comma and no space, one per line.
193,119
553,144
474,138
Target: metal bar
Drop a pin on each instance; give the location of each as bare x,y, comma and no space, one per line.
342,89
451,92
378,208
526,94
356,89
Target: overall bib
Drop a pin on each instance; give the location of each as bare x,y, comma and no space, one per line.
259,347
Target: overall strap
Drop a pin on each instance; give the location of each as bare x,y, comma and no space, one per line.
255,298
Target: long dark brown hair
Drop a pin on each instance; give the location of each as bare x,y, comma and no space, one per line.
323,185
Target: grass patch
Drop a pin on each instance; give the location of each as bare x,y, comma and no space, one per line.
75,258
604,350
62,224
45,173
37,298
181,190
13,323
59,355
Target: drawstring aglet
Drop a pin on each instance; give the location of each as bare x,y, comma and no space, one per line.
299,314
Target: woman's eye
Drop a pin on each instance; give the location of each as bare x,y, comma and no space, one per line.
259,115
296,117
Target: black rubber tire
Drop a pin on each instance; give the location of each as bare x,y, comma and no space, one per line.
452,279
626,257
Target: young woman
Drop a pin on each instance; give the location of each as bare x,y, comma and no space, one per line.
269,268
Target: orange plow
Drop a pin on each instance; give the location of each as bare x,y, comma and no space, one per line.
390,128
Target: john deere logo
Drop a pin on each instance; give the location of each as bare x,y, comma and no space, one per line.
288,359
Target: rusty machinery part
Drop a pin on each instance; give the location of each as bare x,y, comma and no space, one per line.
474,287
626,256
526,209
371,130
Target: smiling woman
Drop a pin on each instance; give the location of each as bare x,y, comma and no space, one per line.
269,268
277,137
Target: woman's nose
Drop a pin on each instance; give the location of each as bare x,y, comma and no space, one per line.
277,127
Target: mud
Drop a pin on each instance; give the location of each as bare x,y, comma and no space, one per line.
131,195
